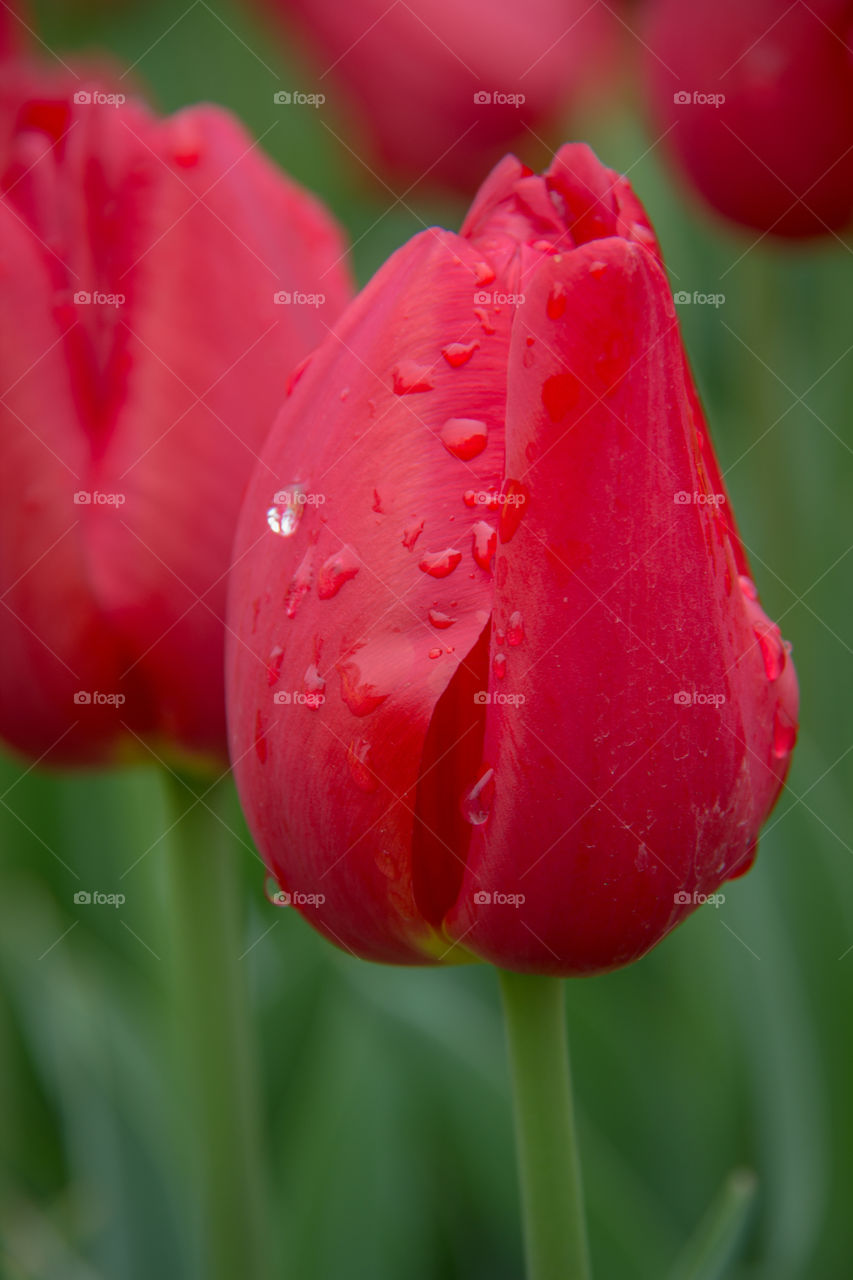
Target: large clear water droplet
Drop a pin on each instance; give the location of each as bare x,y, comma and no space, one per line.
286,511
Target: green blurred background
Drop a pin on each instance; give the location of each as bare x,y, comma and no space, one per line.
386,1102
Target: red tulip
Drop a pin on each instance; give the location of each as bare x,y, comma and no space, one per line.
505,689
758,99
142,358
441,86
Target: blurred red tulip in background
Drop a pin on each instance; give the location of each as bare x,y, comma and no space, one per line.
497,672
443,87
758,101
159,281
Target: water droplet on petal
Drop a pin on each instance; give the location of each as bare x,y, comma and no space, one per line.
440,620
784,734
597,268
483,273
300,584
344,392
377,503
515,497
748,587
560,395
284,515
485,323
409,377
769,640
260,738
274,665
485,544
357,762
477,803
465,438
411,533
435,653
337,570
499,665
313,682
360,695
515,629
469,497
557,300
459,353
438,564
612,365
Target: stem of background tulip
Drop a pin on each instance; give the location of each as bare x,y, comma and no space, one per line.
215,1033
549,1167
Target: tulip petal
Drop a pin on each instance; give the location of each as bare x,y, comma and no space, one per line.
378,480
639,689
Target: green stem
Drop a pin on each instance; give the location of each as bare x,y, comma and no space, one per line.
215,1033
549,1167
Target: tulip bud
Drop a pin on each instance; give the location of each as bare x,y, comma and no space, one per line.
159,281
757,104
435,88
549,715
